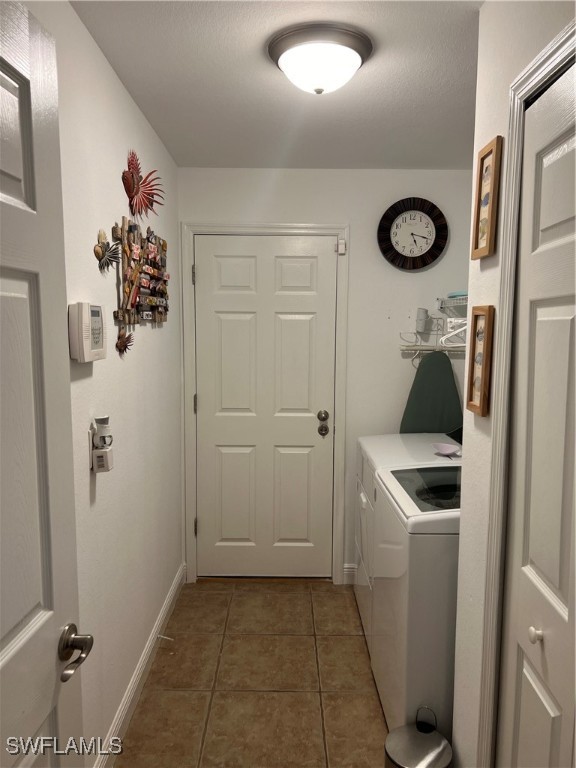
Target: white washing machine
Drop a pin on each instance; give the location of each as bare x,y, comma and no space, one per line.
407,554
417,522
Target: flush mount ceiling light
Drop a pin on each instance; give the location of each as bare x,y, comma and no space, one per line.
319,58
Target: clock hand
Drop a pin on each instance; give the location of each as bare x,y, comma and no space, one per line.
413,238
425,237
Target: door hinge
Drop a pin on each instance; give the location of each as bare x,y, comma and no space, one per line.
193,274
195,526
195,403
341,246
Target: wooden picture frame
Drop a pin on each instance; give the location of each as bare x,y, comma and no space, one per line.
486,199
480,360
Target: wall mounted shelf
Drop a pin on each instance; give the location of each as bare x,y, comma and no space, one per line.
459,301
436,335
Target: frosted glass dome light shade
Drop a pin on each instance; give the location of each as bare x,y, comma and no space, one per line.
319,67
320,58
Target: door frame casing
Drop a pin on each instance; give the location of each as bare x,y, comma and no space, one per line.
545,68
188,231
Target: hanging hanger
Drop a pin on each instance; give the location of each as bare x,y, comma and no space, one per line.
456,332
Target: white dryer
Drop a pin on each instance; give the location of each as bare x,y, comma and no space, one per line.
415,562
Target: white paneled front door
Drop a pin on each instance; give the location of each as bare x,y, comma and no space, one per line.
38,541
265,336
536,719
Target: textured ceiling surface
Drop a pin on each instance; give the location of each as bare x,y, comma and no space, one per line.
200,73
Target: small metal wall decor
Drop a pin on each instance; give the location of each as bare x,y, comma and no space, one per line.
124,342
105,253
143,193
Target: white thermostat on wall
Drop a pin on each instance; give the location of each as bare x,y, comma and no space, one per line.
86,332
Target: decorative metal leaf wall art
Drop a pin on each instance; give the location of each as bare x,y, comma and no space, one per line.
124,342
143,193
105,253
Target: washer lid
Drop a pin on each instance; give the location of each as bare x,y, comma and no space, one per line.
427,498
407,449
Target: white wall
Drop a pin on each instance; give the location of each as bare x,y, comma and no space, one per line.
129,521
382,299
511,34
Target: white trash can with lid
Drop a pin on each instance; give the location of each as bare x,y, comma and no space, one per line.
418,745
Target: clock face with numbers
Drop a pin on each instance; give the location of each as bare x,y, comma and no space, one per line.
412,233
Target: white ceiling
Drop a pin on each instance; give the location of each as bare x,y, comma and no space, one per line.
200,73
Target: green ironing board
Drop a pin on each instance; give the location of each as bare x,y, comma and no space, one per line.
433,403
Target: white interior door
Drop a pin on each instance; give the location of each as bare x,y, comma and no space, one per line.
536,719
265,337
38,544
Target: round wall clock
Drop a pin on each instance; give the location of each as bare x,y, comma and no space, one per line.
412,233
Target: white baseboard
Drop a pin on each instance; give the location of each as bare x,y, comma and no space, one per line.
130,698
349,573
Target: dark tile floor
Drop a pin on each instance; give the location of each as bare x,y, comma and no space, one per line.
261,673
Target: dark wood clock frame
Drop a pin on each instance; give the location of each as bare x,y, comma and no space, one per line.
400,260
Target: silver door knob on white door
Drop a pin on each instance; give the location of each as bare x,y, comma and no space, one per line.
535,635
70,641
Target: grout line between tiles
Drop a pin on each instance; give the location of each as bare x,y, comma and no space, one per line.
319,683
203,741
